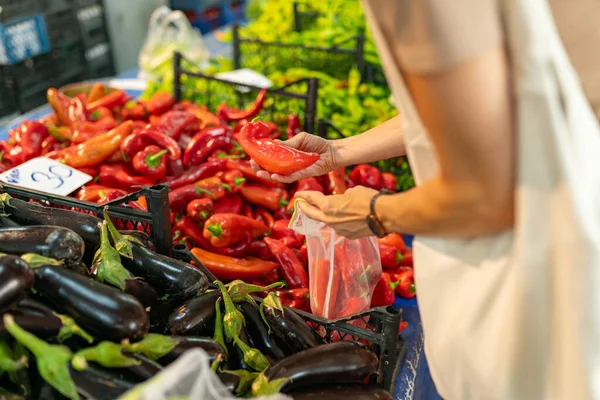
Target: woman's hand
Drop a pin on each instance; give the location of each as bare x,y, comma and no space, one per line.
330,158
345,213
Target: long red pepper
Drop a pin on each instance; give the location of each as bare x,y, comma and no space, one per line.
229,268
173,122
337,181
291,267
208,187
228,115
273,156
281,230
231,204
30,135
93,193
249,173
159,103
268,197
110,101
60,105
294,126
188,228
325,286
141,139
121,176
263,215
225,229
205,142
195,174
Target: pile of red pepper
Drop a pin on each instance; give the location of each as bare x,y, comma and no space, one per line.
235,222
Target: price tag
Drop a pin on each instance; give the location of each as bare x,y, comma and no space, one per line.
246,76
46,175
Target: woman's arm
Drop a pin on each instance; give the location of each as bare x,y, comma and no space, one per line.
468,113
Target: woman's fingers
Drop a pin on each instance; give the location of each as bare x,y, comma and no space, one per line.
311,211
315,198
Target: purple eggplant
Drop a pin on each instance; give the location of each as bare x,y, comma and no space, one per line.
44,327
326,364
258,331
103,311
6,222
342,392
143,237
195,316
212,348
49,241
15,280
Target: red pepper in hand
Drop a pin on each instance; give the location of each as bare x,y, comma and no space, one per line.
263,215
228,115
391,257
60,105
405,281
225,229
273,156
294,298
383,294
324,275
367,175
337,181
394,240
151,162
141,139
172,123
291,267
110,101
209,187
230,204
294,126
159,103
390,182
30,135
230,268
121,176
205,142
281,230
195,174
188,228
200,209
267,197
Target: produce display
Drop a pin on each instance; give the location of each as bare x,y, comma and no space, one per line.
98,327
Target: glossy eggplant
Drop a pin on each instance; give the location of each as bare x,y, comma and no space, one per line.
236,355
141,291
195,316
143,237
85,225
15,280
78,267
44,327
230,381
172,279
212,348
342,392
142,372
99,383
6,222
49,241
259,332
326,364
30,306
103,311
291,329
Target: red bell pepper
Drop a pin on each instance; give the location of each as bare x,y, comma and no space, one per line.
394,240
267,197
291,267
405,281
151,162
229,115
390,182
391,257
195,174
159,103
337,181
93,193
185,227
294,126
200,209
324,300
294,298
60,105
263,215
271,155
205,142
29,135
225,229
281,230
138,141
121,176
367,175
383,294
230,268
230,204
110,101
259,249
173,123
208,187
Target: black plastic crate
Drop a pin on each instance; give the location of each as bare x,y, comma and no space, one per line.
152,221
91,21
298,97
12,9
398,165
63,30
336,60
378,328
303,17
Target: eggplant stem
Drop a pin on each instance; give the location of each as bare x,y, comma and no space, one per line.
153,346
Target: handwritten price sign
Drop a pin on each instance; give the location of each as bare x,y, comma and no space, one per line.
46,175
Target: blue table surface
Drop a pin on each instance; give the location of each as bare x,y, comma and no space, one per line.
414,379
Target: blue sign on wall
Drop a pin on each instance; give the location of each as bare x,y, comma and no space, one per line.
23,38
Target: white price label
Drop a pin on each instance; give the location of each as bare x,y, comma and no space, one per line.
46,175
246,76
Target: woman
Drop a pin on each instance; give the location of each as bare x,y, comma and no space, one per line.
504,148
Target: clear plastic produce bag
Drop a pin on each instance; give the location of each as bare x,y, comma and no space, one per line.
189,377
168,32
343,272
